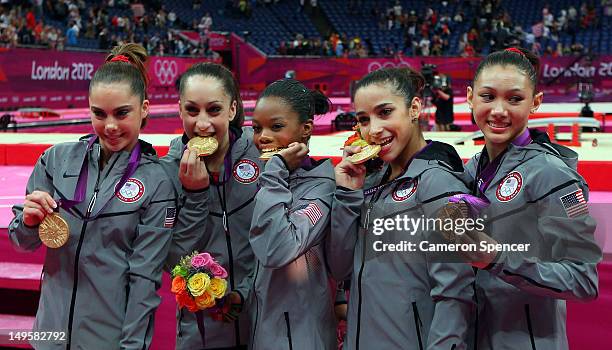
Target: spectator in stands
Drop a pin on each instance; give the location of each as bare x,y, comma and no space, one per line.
205,23
424,46
339,49
72,34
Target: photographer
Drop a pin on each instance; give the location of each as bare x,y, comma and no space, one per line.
442,98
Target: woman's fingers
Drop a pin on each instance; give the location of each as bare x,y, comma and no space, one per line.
41,200
350,150
37,213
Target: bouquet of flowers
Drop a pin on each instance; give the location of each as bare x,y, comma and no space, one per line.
199,283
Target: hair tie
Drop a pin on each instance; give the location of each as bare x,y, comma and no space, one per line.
120,58
514,49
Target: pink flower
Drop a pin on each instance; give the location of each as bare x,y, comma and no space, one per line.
202,260
217,270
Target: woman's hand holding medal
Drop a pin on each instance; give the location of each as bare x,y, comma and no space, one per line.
192,171
294,154
459,212
36,207
349,174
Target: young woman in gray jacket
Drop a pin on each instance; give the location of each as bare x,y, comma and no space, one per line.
536,199
292,299
403,294
216,199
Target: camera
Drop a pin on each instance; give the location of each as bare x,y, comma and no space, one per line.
433,80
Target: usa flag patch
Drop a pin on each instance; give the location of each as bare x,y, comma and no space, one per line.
170,217
312,211
574,204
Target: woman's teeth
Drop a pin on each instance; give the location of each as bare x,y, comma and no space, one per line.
498,124
385,141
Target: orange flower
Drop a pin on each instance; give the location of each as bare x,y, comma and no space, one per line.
183,299
205,301
178,285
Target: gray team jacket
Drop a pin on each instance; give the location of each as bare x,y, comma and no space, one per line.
292,303
217,220
521,296
401,300
100,287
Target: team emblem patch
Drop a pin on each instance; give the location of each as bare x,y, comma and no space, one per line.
132,191
404,190
509,187
246,171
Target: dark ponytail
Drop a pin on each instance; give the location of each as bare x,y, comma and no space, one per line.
306,103
524,60
125,63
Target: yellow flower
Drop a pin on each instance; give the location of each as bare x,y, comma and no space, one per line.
217,287
198,283
205,301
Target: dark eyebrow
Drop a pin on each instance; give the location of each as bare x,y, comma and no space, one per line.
492,88
98,109
123,107
378,106
195,103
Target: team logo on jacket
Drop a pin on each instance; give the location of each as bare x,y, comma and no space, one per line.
246,171
132,191
404,190
509,187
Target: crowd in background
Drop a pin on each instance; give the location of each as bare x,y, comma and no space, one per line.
40,23
60,24
428,33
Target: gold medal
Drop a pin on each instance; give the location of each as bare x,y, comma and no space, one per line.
53,231
452,211
267,154
203,145
368,152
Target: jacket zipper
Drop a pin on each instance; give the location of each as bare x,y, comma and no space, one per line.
256,303
180,319
417,324
529,327
360,274
228,242
288,330
90,207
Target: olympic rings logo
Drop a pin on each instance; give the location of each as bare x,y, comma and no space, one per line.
389,64
166,71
